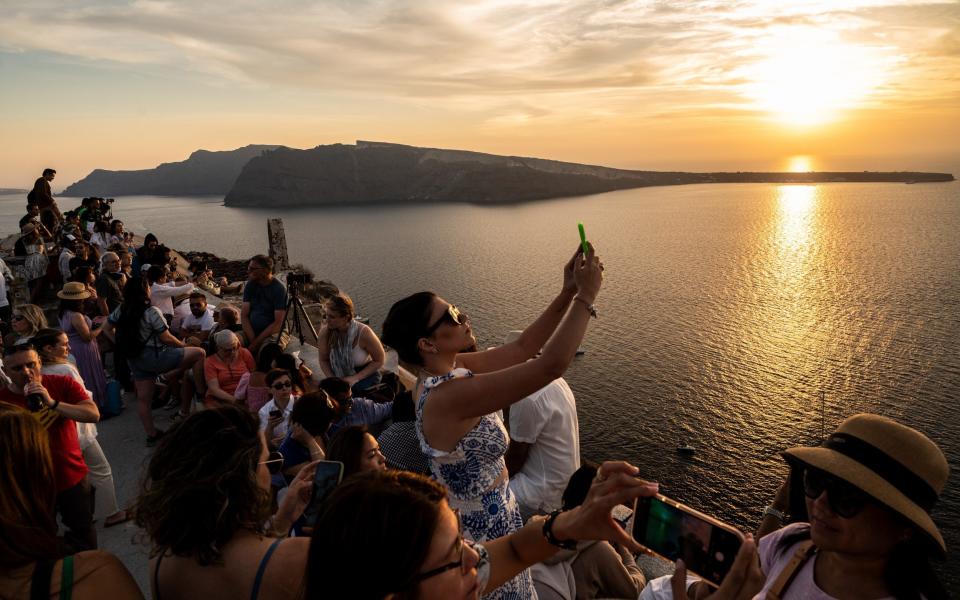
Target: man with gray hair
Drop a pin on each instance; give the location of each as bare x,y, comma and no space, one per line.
110,283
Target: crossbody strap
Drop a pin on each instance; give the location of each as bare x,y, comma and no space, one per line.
66,578
804,551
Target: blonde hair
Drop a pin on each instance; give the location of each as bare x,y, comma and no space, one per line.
34,317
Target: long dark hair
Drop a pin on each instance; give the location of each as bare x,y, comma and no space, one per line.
28,527
406,323
201,485
909,573
69,305
346,446
135,302
375,509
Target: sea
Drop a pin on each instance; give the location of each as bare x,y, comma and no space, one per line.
742,319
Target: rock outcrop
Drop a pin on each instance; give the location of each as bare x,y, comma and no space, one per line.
204,173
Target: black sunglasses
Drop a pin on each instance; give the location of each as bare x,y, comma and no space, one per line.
274,462
282,384
452,316
450,565
845,499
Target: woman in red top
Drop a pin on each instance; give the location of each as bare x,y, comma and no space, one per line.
223,369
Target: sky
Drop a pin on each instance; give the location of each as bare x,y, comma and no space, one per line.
699,85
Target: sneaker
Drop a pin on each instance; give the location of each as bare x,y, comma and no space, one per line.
152,439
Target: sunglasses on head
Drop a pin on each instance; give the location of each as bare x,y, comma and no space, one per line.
845,499
452,315
282,384
274,462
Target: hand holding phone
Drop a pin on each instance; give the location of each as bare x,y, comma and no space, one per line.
673,531
326,477
583,239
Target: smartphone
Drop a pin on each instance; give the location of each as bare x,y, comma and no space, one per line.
583,239
325,479
276,414
671,530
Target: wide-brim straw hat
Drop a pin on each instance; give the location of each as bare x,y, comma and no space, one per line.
74,290
896,465
27,228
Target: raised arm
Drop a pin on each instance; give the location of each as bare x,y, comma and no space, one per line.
513,553
534,336
456,402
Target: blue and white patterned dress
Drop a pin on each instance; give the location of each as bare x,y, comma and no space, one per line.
469,472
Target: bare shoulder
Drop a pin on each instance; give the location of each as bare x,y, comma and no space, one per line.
99,574
285,575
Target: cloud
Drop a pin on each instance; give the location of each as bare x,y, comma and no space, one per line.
543,53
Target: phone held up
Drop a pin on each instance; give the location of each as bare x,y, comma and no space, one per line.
670,530
325,479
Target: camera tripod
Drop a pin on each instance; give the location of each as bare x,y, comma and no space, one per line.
295,316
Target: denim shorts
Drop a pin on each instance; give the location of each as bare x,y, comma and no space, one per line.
153,362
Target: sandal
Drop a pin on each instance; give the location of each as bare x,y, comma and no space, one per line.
117,518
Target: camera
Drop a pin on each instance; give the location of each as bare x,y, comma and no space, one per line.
299,279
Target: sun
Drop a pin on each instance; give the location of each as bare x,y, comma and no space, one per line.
808,77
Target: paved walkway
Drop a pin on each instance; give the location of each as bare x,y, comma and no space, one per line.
123,442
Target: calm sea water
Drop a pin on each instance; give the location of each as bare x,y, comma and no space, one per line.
726,310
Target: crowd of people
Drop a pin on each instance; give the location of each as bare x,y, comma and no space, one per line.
469,484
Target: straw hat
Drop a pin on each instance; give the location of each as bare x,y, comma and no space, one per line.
28,228
895,464
73,290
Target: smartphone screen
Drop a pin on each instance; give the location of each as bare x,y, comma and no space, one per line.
674,531
325,479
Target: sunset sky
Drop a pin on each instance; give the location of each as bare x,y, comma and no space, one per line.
696,85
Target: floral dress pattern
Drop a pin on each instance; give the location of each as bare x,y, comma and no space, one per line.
469,472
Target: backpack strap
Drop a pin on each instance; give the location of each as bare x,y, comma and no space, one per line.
66,579
804,551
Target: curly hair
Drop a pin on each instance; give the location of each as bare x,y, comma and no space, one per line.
373,510
201,485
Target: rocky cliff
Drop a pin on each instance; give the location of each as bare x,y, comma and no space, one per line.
376,172
204,173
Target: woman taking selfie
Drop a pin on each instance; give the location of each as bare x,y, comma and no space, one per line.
459,393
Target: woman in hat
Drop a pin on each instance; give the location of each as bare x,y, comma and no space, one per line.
861,502
35,265
82,334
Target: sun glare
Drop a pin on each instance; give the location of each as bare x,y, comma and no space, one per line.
808,76
800,164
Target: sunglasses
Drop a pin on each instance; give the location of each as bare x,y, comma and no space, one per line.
452,316
845,500
451,565
274,462
282,384
17,318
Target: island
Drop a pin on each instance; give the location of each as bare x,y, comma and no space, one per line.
385,173
204,173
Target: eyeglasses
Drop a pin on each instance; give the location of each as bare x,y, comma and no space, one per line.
452,316
197,305
845,500
282,384
274,462
451,565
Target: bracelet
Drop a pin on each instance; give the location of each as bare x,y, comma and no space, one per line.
590,307
551,539
770,511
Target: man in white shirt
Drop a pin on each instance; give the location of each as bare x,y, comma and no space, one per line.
544,447
163,293
199,321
